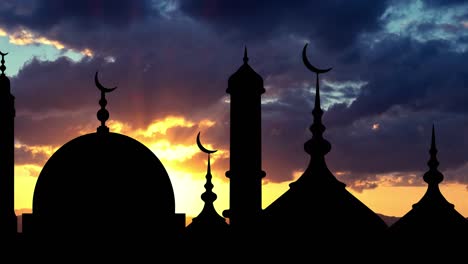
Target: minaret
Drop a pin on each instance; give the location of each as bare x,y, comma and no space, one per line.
245,87
7,157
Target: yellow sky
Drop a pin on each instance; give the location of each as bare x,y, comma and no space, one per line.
187,170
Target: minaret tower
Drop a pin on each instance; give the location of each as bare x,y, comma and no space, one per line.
7,155
245,87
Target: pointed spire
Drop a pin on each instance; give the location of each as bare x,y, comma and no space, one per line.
3,67
209,196
246,59
102,114
433,176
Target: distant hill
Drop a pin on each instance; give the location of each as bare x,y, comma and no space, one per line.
389,220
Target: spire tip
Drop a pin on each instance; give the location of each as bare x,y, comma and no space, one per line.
246,59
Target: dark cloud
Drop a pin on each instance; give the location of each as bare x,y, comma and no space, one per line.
179,66
44,14
331,24
426,76
442,3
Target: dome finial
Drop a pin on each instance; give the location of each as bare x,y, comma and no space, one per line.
3,67
102,114
433,176
208,196
317,145
246,59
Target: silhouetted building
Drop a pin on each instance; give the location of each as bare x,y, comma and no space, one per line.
8,220
106,189
317,207
245,174
106,193
208,226
432,223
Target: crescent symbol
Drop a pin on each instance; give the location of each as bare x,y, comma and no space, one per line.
3,54
100,87
202,148
310,66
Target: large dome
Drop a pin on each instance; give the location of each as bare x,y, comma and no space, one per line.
103,183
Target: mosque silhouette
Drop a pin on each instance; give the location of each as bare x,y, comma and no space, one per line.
89,198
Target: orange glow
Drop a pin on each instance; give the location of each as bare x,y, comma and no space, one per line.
24,36
207,123
25,181
47,150
187,181
87,52
393,195
168,151
161,126
398,200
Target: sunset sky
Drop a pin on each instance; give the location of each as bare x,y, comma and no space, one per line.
398,68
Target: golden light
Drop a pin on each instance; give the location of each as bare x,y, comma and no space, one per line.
87,52
375,126
24,36
188,176
207,123
118,127
40,149
161,126
168,151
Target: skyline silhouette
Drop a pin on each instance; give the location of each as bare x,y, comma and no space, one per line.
171,61
106,169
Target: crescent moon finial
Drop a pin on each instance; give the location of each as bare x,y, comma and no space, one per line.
202,148
309,65
102,114
100,86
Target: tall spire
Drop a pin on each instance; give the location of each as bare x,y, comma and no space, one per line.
102,114
209,196
246,59
208,223
317,145
433,176
339,213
